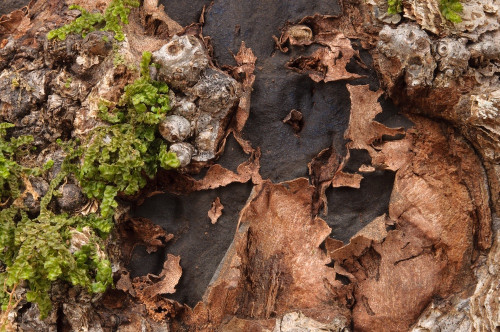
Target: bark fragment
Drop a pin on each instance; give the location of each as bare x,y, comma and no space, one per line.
215,211
295,120
431,249
363,131
141,231
325,64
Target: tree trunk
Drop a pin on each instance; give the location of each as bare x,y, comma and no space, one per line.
339,165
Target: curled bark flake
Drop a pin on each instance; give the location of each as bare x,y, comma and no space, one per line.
215,211
295,120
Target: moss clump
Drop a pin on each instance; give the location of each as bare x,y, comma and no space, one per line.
116,14
67,84
36,249
451,10
13,175
395,6
119,157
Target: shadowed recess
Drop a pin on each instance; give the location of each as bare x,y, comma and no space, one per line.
184,12
7,6
390,115
368,71
200,244
350,209
357,157
277,89
233,155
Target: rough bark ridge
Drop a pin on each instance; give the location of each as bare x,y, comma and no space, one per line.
306,201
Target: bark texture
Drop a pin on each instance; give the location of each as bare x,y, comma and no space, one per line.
342,168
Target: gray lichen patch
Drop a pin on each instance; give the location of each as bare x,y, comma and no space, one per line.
412,47
203,100
175,128
184,152
452,56
182,61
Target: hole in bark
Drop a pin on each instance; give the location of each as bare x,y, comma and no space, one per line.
390,227
357,157
343,279
142,263
390,115
350,209
322,246
233,155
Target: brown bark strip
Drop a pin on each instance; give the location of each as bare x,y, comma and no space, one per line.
215,211
245,60
363,131
141,231
322,170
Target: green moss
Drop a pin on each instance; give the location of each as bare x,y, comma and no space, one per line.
120,156
14,83
36,249
82,25
451,10
117,11
11,173
67,85
395,6
116,14
118,59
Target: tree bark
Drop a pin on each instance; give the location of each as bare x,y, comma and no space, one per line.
350,180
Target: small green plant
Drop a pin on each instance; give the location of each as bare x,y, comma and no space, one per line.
451,10
395,6
14,83
118,59
13,175
37,249
116,13
121,155
67,84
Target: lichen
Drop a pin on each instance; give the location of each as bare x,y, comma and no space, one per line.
207,97
412,47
